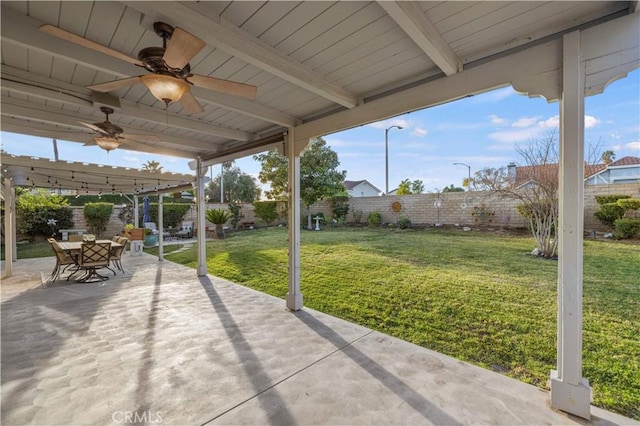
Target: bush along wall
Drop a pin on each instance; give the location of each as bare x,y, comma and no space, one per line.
97,216
42,215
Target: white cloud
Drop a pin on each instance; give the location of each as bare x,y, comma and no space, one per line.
525,122
633,145
510,136
590,121
393,122
615,135
419,131
498,121
552,122
131,159
616,147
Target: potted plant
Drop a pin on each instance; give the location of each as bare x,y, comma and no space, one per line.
218,217
150,240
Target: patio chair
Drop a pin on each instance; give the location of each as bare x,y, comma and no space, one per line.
116,255
185,230
154,230
94,256
62,259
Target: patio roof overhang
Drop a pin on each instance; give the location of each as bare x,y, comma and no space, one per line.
86,178
319,66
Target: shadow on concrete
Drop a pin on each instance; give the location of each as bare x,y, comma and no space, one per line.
426,408
257,374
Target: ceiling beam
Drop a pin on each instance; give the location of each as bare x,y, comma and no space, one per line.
22,30
412,20
218,32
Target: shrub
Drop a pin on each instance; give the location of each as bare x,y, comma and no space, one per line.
97,216
626,227
403,222
609,213
374,219
629,203
236,216
340,206
266,210
43,214
357,216
607,199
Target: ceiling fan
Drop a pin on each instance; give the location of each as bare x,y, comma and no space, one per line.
170,77
111,136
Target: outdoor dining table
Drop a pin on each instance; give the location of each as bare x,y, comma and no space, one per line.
73,247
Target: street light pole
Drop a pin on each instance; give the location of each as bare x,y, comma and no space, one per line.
386,157
468,176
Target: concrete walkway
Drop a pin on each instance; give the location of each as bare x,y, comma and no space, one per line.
160,346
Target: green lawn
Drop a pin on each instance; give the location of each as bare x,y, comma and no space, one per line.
478,297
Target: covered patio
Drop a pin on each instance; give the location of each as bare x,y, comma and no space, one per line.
162,346
317,68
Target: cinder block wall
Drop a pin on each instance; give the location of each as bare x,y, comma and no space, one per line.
455,208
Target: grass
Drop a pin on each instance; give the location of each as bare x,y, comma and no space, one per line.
475,296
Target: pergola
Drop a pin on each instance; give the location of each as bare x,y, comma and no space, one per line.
322,67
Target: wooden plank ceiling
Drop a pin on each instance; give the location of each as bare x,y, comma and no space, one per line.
308,60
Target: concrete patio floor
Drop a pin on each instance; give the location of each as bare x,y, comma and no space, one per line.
159,345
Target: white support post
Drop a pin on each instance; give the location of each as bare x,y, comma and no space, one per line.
201,234
136,206
294,296
160,229
570,392
14,227
9,228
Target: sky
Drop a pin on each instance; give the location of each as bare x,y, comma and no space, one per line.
481,131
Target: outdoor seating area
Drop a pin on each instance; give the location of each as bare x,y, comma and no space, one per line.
162,342
86,258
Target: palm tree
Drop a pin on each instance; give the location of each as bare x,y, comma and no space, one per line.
608,157
152,166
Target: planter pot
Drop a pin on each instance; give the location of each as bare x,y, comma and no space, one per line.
150,240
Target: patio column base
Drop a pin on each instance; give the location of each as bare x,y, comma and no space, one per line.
294,301
202,271
573,399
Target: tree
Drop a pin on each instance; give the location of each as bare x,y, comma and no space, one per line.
319,175
538,196
407,187
608,157
238,187
152,166
452,188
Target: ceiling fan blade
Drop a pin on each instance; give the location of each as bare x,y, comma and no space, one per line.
93,127
191,104
81,41
181,48
224,86
114,85
139,137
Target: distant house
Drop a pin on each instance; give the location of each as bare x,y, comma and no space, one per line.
361,188
624,170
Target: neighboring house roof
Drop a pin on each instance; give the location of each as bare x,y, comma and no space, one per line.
350,184
527,174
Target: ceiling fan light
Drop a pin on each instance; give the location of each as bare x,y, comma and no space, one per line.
165,88
108,144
